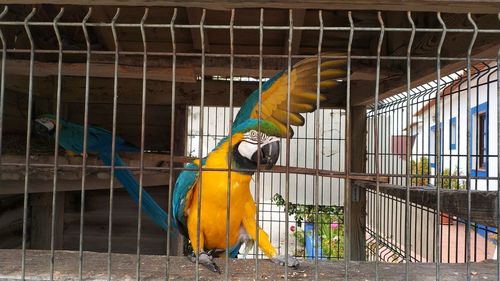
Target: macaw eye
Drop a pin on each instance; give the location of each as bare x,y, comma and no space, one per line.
255,136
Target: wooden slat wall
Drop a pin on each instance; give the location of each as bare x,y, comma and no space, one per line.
11,221
128,122
124,223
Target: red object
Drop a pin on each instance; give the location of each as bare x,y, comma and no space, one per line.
445,219
399,145
292,228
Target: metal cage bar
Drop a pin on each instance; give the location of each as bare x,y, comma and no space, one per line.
393,223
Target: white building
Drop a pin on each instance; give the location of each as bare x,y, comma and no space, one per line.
483,137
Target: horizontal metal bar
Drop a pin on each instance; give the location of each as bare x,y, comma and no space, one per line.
140,53
252,27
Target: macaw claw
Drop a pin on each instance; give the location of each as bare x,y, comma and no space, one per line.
206,259
292,262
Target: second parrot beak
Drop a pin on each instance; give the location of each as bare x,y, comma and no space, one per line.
44,128
269,154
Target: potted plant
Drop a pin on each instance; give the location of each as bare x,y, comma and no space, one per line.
329,222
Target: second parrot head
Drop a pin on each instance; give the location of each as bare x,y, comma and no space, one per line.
257,146
45,125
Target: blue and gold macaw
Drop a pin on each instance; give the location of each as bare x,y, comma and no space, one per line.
246,141
99,142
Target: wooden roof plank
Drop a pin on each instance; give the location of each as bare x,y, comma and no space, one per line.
451,6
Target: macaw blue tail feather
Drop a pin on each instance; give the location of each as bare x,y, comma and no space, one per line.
235,250
149,205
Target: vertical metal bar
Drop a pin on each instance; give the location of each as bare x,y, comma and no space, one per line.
257,176
2,78
28,140
113,139
56,143
287,167
230,147
143,132
347,158
408,147
498,163
85,131
172,140
437,115
200,147
469,127
377,153
316,138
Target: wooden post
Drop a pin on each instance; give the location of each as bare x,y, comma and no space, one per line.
180,139
355,196
41,220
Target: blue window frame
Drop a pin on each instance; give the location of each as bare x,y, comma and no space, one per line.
479,140
453,133
432,146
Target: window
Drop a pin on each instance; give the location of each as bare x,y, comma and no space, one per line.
453,133
481,152
432,145
479,140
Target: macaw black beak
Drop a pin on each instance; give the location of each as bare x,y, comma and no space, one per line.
42,130
269,154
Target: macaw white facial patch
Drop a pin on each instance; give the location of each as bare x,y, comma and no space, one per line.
247,149
250,143
47,123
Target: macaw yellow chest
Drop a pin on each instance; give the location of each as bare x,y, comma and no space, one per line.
214,206
214,203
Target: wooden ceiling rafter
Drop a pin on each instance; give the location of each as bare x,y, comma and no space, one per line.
99,14
298,18
194,18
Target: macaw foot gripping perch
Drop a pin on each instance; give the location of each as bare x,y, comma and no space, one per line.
206,259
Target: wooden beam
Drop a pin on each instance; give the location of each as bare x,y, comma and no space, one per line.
92,182
161,70
194,18
423,71
132,159
449,6
453,202
102,70
159,92
104,34
243,66
69,178
355,198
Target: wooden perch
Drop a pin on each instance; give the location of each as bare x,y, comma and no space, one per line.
327,173
69,172
453,202
92,182
153,268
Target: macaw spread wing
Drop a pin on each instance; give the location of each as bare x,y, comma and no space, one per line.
303,93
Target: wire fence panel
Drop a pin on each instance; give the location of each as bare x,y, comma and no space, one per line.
278,135
453,162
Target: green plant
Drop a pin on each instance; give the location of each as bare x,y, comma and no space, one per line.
306,213
421,170
300,239
329,222
451,183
